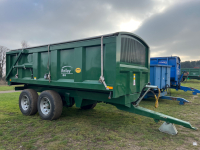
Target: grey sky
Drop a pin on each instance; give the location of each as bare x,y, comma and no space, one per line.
169,27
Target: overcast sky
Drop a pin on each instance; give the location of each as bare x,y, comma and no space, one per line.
170,27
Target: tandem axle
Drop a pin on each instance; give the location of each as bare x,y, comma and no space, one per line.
88,100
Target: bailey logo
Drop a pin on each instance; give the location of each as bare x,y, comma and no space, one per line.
66,70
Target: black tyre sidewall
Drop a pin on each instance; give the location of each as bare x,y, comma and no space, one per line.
25,112
52,105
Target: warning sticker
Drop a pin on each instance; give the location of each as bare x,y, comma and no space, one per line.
133,79
78,70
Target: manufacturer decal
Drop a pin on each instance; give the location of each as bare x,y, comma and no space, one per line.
66,70
162,62
78,70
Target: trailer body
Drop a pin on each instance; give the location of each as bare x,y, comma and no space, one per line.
160,76
112,68
176,76
174,62
194,73
77,65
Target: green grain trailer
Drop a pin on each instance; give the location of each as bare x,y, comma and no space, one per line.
111,68
194,73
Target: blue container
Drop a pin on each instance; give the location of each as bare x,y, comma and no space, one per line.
174,62
160,76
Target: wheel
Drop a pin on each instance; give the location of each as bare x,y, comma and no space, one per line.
28,102
49,105
91,106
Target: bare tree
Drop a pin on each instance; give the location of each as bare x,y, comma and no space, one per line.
3,51
24,44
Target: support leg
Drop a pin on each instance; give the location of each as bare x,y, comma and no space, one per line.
168,128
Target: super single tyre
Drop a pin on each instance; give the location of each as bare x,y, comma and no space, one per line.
28,102
91,106
49,105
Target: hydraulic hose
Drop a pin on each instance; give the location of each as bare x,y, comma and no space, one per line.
156,103
156,97
142,92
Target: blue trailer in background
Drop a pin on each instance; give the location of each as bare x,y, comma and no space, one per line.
176,76
160,77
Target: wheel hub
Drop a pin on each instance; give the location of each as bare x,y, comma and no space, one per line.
45,106
25,103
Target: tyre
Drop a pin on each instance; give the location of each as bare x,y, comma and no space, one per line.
49,105
28,102
91,106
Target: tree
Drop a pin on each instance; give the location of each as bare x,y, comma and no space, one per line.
3,51
24,44
190,64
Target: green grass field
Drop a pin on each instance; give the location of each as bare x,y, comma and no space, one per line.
104,127
6,88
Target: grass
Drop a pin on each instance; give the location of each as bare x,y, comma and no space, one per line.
104,127
7,88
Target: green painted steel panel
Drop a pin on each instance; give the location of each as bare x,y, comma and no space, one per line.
12,60
67,61
93,63
43,64
75,68
65,58
194,73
